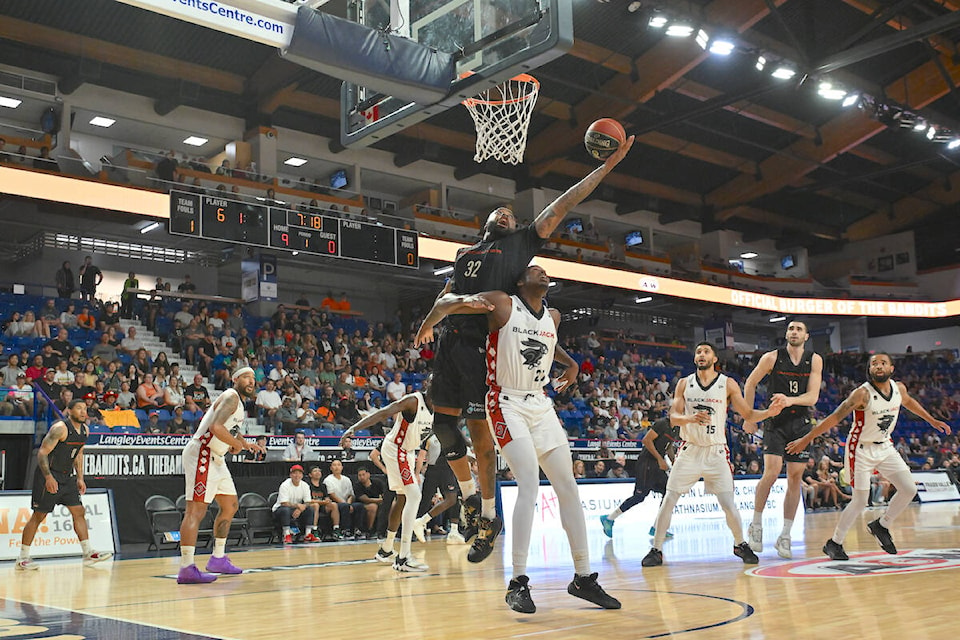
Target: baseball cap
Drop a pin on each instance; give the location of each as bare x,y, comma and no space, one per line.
90,396
21,375
49,371
296,467
110,394
154,413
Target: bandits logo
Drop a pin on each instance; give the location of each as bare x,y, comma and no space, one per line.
874,563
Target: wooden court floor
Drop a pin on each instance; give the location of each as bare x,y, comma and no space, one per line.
701,592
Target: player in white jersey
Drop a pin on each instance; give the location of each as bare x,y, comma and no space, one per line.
208,478
700,410
876,406
413,417
521,349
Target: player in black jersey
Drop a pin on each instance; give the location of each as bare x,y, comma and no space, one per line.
652,469
495,263
59,480
795,374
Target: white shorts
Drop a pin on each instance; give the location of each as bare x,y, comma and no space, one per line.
207,475
712,463
866,457
400,473
512,416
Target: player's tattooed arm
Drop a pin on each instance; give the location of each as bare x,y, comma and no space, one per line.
855,401
56,434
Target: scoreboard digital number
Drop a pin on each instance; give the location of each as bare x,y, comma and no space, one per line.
227,220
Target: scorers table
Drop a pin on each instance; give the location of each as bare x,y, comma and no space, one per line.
223,219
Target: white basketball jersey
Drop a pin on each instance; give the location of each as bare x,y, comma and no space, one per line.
218,446
407,435
713,400
520,353
877,420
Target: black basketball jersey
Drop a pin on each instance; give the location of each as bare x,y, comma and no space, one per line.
791,380
62,456
492,265
667,434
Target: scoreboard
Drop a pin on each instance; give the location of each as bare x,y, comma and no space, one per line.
226,220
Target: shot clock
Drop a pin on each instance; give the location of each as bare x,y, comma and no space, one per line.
214,218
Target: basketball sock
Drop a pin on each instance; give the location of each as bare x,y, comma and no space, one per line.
727,503
24,552
287,531
663,517
186,555
454,527
85,545
219,547
787,526
336,527
850,514
906,490
757,518
616,513
556,466
425,518
467,488
387,544
489,508
408,517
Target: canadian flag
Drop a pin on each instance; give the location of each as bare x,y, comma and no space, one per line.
372,114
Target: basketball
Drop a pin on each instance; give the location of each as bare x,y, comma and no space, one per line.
604,137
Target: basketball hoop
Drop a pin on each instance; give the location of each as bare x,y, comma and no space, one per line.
502,116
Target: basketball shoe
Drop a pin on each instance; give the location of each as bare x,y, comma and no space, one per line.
882,534
783,547
222,565
405,565
27,565
518,595
385,556
745,553
483,543
654,558
835,551
755,537
454,537
94,557
587,588
607,525
193,575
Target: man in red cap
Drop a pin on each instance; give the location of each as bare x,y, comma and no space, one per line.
295,504
93,410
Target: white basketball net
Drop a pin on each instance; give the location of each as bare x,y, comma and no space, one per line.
502,115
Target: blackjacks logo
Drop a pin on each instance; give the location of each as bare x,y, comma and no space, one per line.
703,407
532,352
885,422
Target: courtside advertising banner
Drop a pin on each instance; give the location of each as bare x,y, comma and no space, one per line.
935,486
56,536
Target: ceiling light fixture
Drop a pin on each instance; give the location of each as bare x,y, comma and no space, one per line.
195,141
295,162
150,227
642,300
100,121
777,319
442,271
830,92
722,46
761,63
747,255
702,39
12,103
784,72
850,100
953,144
657,20
679,30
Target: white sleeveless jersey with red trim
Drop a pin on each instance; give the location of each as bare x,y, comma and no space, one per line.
713,400
876,421
520,353
218,446
408,435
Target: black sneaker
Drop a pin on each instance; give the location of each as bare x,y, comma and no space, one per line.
744,552
835,551
358,535
654,558
882,534
470,511
483,543
589,589
518,595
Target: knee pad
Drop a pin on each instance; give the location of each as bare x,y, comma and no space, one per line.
453,445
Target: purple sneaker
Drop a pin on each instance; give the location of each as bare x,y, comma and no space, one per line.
222,565
193,575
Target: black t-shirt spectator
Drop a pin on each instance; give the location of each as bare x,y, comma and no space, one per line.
166,167
375,490
109,318
198,393
63,346
89,277
187,287
317,492
50,388
51,361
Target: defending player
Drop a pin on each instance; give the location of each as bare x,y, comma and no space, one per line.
876,406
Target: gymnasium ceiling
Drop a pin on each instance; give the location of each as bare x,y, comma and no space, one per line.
718,142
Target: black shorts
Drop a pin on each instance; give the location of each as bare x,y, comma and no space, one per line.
779,431
460,374
650,477
67,492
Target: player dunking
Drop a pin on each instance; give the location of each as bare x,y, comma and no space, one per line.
412,418
59,480
699,408
876,406
521,348
652,468
494,263
207,477
795,374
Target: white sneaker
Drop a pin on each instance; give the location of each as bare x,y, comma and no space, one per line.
454,537
96,556
27,565
419,530
783,547
408,565
385,556
755,537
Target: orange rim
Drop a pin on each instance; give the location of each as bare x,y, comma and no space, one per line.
522,78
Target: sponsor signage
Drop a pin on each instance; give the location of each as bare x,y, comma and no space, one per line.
935,486
56,537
